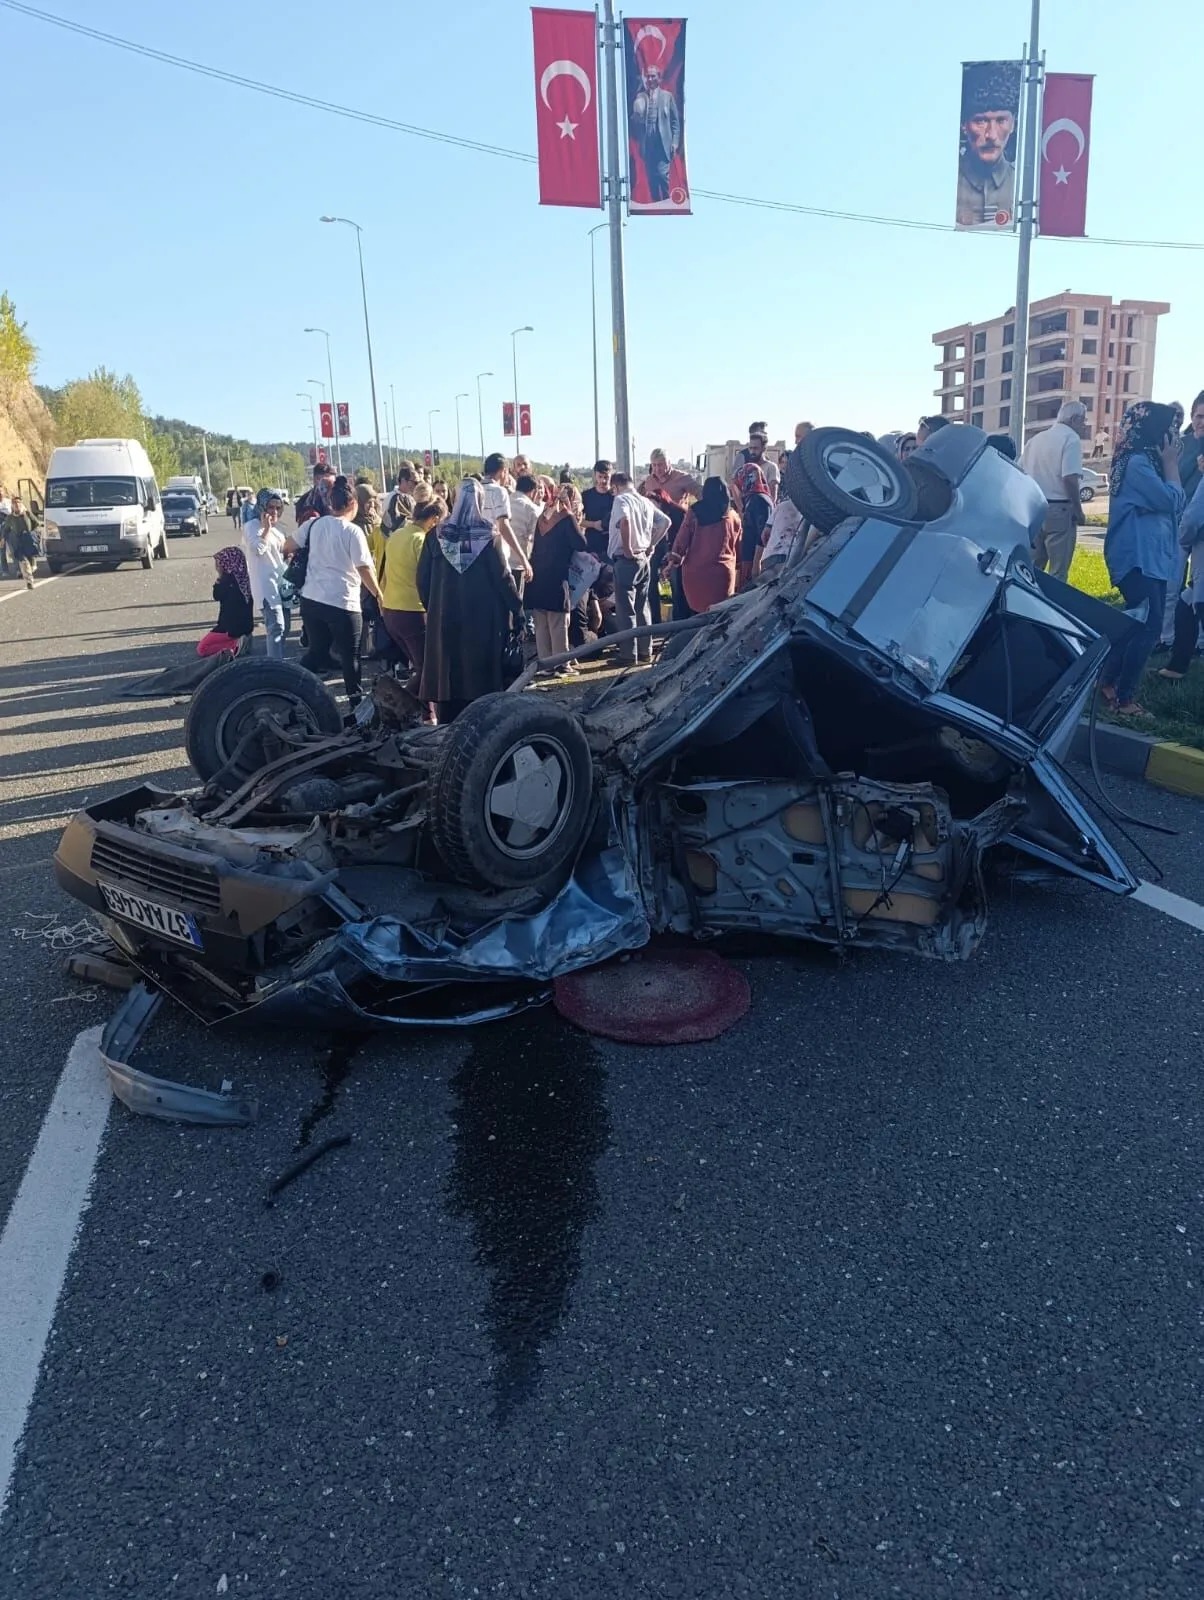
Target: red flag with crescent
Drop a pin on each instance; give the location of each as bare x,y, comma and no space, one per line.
566,108
1065,155
655,59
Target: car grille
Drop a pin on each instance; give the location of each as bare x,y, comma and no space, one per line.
195,886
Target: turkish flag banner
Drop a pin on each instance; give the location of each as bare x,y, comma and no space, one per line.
654,53
326,419
1065,155
507,419
344,419
524,420
566,108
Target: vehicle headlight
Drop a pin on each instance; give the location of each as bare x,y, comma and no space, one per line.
129,524
189,522
50,530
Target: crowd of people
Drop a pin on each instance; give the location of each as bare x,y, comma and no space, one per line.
452,590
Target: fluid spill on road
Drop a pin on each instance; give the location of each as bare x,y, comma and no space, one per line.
333,1061
531,1121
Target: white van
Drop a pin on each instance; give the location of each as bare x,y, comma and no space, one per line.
103,505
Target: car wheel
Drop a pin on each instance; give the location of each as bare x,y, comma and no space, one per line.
511,799
147,557
162,551
835,473
225,710
1086,493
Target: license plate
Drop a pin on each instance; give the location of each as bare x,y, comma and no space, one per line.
153,917
93,549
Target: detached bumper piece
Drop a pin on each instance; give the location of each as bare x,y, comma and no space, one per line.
149,1096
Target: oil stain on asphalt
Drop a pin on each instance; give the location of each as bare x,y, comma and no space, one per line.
531,1121
334,1062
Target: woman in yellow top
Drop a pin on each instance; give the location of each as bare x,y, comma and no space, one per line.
402,612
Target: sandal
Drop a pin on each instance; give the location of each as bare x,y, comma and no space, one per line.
1170,676
1131,709
1107,694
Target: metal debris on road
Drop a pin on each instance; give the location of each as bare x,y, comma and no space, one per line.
290,1174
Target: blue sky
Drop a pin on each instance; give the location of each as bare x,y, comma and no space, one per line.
167,226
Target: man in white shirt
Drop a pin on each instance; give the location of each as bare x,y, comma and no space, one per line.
635,526
524,514
496,508
1053,459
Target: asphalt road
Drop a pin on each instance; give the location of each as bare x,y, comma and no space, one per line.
892,1291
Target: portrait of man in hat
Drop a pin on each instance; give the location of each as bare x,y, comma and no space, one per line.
986,178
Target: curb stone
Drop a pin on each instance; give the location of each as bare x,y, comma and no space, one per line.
1135,755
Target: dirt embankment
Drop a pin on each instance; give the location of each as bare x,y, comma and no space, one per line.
26,435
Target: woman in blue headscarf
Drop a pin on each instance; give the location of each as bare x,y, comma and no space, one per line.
1140,546
471,606
263,547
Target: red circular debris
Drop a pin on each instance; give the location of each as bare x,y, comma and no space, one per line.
658,997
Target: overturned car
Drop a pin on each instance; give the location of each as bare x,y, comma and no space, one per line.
828,756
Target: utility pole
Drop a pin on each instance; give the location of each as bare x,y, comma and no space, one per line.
205,453
1027,210
481,412
614,191
459,450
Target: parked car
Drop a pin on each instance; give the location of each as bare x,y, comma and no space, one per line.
828,756
103,505
184,513
1093,483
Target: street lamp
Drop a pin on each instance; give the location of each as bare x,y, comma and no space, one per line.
405,428
359,245
459,451
313,420
338,453
481,412
205,454
593,293
430,428
514,353
393,426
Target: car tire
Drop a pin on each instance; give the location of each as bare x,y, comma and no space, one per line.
162,550
835,473
147,559
222,708
511,798
1087,494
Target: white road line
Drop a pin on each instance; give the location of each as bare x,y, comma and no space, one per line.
1174,905
40,1234
39,583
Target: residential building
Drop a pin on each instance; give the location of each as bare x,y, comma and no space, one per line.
1081,347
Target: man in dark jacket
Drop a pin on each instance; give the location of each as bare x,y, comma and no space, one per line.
315,502
20,539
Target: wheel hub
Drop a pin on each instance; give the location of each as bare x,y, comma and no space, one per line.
860,474
529,796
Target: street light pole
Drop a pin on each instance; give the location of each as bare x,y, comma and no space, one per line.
430,428
405,428
618,291
338,452
481,412
359,245
205,454
313,420
518,428
459,450
393,426
593,295
1027,211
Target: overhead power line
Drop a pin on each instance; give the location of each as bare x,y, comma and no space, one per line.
372,119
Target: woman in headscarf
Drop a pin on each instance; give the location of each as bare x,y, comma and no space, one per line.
339,568
1140,546
905,446
707,547
471,606
757,507
232,591
263,551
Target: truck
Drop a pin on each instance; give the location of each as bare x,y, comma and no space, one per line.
103,506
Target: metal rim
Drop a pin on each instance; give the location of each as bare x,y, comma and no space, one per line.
860,473
238,716
529,797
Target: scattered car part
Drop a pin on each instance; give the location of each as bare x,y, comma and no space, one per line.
158,1097
114,974
302,1164
656,997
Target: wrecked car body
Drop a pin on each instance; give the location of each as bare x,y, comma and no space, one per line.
828,756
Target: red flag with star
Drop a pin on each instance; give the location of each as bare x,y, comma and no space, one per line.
566,108
1065,155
